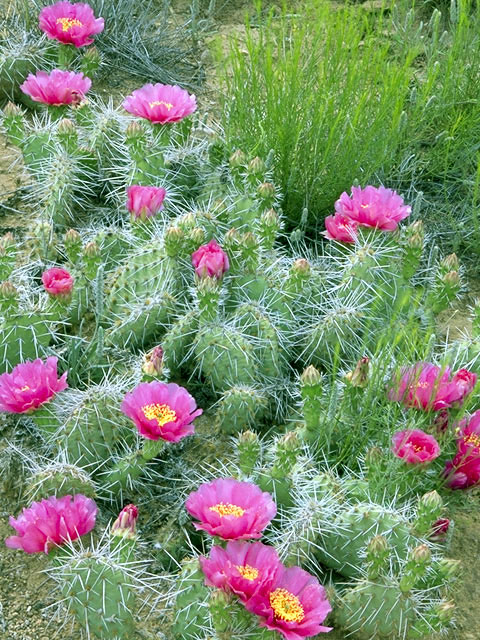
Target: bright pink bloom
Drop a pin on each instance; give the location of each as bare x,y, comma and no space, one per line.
426,386
57,88
52,522
124,525
210,260
468,432
439,530
463,471
415,446
375,207
230,509
341,228
144,202
57,282
161,103
29,385
161,410
241,567
295,605
70,23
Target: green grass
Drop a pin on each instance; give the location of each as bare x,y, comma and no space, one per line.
350,94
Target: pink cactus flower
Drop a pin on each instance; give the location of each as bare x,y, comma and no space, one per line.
241,568
295,605
57,88
124,526
415,446
340,228
463,471
161,410
375,207
57,282
428,387
160,103
468,435
230,509
29,385
52,522
210,261
144,202
439,530
70,23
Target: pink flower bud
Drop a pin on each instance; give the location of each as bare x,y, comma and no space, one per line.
210,261
57,282
153,361
124,525
439,530
144,202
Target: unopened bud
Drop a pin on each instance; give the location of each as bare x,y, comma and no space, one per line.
266,190
7,291
91,250
359,376
439,530
134,131
7,241
124,525
301,267
72,238
256,166
432,501
248,450
173,239
153,361
452,278
446,611
377,546
374,457
449,568
66,127
451,262
188,221
197,236
91,60
421,554
249,240
311,376
237,159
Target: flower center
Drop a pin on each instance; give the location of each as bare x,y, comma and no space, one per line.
68,23
364,206
247,572
162,413
227,509
472,439
416,448
25,388
286,606
158,103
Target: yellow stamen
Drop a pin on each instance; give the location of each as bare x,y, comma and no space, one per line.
247,572
228,510
68,23
162,413
157,103
472,439
286,606
25,388
364,206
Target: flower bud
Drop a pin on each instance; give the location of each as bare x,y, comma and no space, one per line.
153,362
7,291
421,554
134,132
311,376
439,530
197,236
449,568
451,262
256,166
452,278
374,457
72,238
7,241
66,127
91,250
210,261
359,376
57,282
11,110
266,190
124,525
377,546
301,267
173,240
415,235
432,501
249,240
445,611
237,159
248,451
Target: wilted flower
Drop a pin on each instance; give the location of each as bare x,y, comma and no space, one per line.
124,525
56,88
241,567
463,471
161,410
415,446
359,376
375,207
230,509
153,361
57,282
160,103
70,23
341,228
210,261
295,605
29,385
426,386
144,202
439,530
52,522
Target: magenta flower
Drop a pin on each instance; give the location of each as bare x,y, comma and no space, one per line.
57,88
340,228
375,207
29,385
295,605
439,530
428,387
468,442
241,567
463,471
52,522
230,509
415,446
124,526
160,103
161,410
144,202
70,23
57,282
210,261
